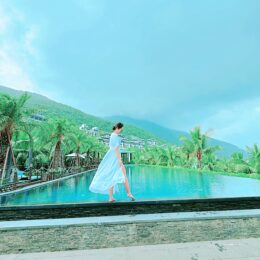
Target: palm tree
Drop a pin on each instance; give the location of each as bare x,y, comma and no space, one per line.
80,142
210,159
170,155
21,148
28,130
199,141
188,147
12,115
174,155
238,164
155,155
54,136
24,145
138,156
197,146
254,157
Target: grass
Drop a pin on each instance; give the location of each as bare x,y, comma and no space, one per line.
244,175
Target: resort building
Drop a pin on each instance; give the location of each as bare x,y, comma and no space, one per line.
84,127
94,131
126,143
104,138
151,142
38,117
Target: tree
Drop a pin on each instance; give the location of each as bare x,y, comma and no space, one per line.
13,114
199,141
254,157
24,145
210,159
197,146
170,155
81,142
238,164
187,147
54,137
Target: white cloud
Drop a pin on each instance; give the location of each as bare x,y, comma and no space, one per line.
3,21
239,123
16,52
12,73
29,37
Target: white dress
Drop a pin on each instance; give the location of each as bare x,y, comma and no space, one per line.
109,172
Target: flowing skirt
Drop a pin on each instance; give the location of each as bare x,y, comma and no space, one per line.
108,174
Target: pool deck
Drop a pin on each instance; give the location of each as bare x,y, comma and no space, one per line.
122,219
236,249
141,230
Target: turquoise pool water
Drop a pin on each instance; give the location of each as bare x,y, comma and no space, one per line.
147,182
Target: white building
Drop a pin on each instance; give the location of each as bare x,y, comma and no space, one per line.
94,131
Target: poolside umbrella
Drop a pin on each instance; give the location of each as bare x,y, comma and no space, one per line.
85,154
74,155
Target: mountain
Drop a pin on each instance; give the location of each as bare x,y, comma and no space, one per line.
53,109
172,136
139,128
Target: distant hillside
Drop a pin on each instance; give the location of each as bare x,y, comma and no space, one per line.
139,128
172,136
52,109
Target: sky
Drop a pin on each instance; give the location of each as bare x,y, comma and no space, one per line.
179,63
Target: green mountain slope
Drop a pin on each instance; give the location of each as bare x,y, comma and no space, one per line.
172,136
51,109
139,128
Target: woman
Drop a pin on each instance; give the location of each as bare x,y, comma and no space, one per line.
111,170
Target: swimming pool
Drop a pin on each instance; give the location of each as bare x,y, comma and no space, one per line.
147,182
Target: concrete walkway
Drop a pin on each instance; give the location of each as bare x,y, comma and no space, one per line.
246,249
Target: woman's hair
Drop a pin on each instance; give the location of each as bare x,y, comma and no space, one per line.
119,125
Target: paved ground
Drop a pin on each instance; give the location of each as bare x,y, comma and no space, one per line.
210,250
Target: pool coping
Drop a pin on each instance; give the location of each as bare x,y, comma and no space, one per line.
124,219
127,203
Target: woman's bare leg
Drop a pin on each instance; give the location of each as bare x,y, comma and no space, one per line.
126,183
111,198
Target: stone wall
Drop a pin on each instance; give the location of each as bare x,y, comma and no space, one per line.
87,236
125,208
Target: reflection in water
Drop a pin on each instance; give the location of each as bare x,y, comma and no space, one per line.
146,183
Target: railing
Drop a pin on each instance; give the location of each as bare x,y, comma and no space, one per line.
33,176
7,187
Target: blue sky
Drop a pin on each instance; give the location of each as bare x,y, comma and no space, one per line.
178,63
